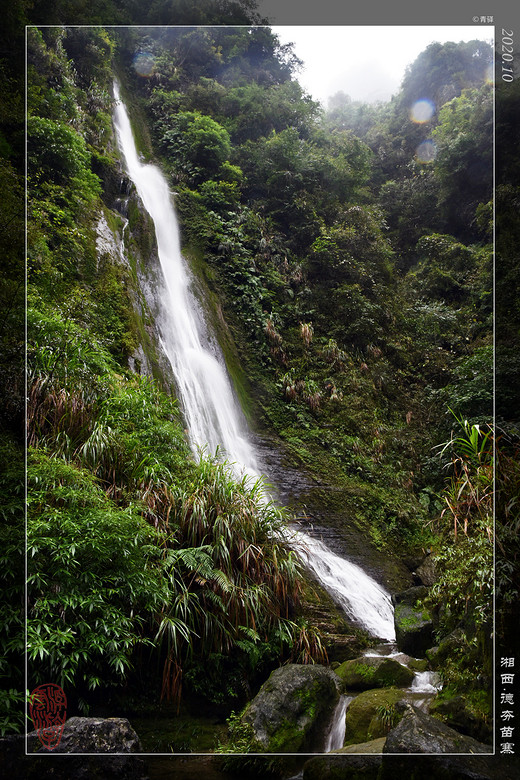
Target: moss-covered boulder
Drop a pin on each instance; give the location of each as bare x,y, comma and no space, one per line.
370,715
368,672
290,712
413,623
418,664
427,571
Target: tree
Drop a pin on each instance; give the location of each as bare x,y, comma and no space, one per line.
196,145
464,161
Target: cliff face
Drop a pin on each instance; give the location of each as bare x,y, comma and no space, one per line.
125,240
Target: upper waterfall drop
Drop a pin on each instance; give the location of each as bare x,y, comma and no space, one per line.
212,413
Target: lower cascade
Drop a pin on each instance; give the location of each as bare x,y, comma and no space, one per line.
212,414
336,734
361,598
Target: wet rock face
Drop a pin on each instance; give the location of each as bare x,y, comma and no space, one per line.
80,736
97,735
289,712
367,672
418,732
413,624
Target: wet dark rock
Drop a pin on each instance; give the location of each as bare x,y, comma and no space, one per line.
97,735
413,624
427,572
413,562
80,735
367,672
289,712
418,732
410,596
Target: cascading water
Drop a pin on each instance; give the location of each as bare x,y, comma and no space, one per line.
336,735
212,414
363,599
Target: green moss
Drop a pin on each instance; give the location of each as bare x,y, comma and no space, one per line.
287,738
409,618
362,720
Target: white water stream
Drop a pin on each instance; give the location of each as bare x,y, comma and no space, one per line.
212,414
336,735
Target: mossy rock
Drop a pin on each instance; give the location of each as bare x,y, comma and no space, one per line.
373,747
447,646
365,719
418,664
413,624
367,672
418,732
290,711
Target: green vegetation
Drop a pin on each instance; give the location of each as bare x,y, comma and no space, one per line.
348,275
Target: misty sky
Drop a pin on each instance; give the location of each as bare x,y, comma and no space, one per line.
368,63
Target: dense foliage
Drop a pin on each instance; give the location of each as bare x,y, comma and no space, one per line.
359,306
350,253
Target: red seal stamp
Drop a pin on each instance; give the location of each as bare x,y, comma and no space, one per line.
48,710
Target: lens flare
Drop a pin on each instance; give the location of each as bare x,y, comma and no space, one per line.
422,111
426,152
144,64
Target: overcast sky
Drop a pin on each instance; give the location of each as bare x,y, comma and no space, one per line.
368,63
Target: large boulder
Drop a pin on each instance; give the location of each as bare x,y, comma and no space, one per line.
418,732
368,672
370,714
413,624
97,735
290,711
80,735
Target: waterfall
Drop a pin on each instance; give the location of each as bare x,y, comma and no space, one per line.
336,735
212,413
363,599
426,682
